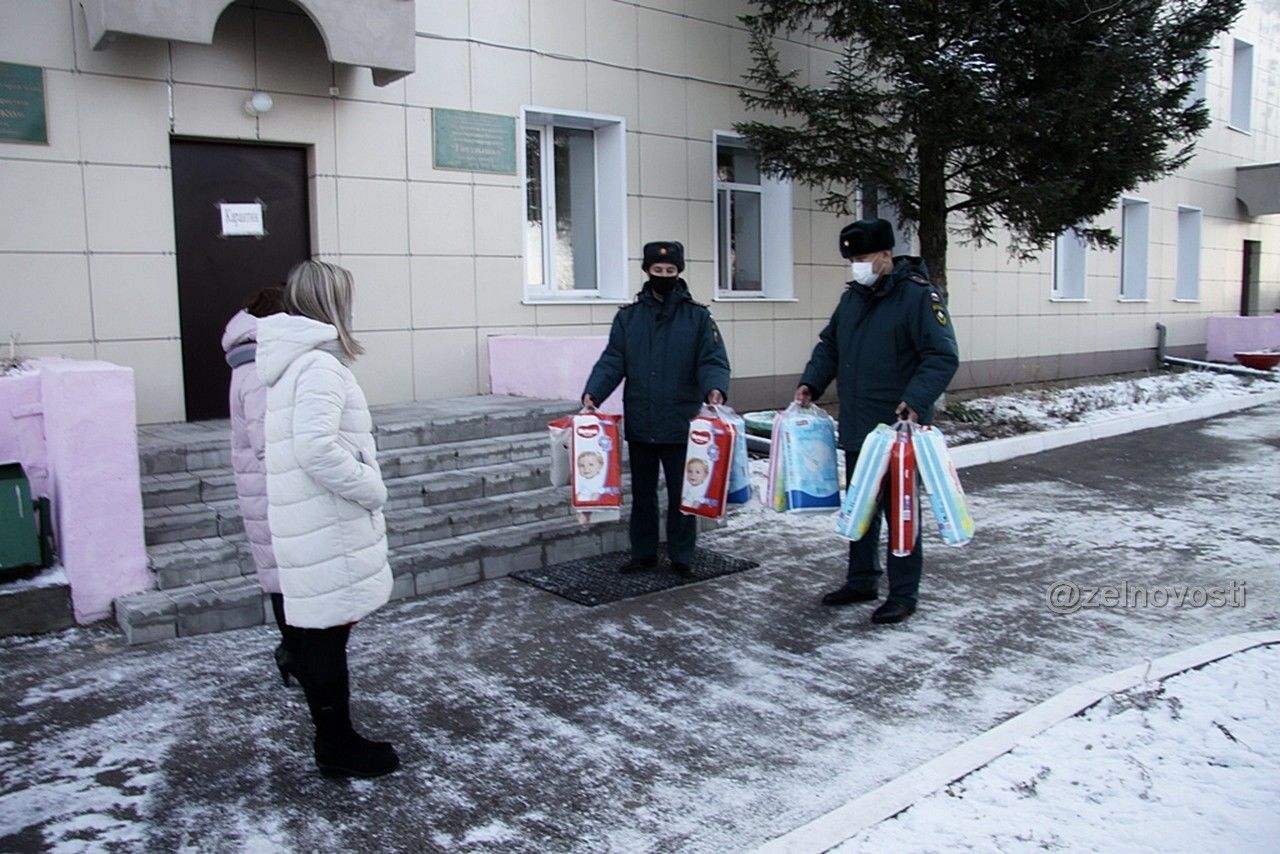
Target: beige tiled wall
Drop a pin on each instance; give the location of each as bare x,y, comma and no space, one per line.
87,262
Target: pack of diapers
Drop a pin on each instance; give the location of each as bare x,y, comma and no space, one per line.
740,465
595,459
708,459
809,470
942,482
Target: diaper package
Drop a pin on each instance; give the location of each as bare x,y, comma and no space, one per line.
862,498
596,467
942,481
740,466
707,461
809,467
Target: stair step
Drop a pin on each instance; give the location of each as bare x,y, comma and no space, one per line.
218,605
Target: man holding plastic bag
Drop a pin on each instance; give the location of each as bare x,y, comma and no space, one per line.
669,351
891,349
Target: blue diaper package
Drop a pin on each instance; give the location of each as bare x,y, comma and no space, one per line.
812,481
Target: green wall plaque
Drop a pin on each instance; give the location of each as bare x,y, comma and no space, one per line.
473,142
22,104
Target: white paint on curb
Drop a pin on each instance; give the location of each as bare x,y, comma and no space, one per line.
843,823
998,450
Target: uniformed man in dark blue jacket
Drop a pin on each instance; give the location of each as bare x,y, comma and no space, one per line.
669,351
891,349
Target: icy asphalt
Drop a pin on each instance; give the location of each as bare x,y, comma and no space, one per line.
707,718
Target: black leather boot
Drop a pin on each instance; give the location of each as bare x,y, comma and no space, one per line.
848,595
340,751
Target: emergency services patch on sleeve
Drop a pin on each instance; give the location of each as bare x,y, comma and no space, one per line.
715,332
940,314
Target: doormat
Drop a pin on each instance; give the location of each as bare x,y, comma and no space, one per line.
597,580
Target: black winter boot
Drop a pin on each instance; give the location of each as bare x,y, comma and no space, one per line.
340,751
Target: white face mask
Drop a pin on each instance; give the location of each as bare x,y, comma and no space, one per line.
863,272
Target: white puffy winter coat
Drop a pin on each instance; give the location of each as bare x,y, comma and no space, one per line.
324,488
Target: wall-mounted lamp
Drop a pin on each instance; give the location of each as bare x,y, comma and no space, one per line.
258,103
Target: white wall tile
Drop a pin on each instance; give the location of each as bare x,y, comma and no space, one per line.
443,75
662,105
444,292
558,26
143,139
157,376
499,289
753,348
561,83
612,30
707,52
664,219
213,112
499,80
614,91
371,217
445,363
500,22
38,32
385,370
663,166
45,298
382,291
447,18
307,120
134,296
709,108
661,41
420,155
44,210
499,220
129,209
441,221
371,140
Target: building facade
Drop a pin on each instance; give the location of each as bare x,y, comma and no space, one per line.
491,168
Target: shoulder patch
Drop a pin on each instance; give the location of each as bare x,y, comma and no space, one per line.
715,332
940,314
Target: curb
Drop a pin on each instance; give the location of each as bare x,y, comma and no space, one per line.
886,801
998,450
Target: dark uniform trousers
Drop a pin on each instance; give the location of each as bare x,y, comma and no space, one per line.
682,530
864,554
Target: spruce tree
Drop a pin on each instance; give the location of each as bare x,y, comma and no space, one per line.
1034,115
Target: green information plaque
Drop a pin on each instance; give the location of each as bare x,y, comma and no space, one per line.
22,104
474,142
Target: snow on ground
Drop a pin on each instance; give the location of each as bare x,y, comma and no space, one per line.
1189,764
1038,409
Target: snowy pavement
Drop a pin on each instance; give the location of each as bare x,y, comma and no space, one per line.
708,718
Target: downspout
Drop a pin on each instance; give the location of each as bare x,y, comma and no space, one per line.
1163,358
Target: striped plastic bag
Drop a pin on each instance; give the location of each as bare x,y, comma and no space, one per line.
940,479
862,498
740,469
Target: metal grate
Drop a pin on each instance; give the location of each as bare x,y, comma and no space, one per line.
597,580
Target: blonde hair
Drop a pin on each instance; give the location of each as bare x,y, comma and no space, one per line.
323,292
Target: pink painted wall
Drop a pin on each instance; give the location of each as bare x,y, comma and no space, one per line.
1229,335
89,456
551,368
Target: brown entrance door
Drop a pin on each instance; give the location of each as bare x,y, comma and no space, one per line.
218,271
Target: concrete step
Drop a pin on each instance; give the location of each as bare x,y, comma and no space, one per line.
37,602
178,448
216,605
221,518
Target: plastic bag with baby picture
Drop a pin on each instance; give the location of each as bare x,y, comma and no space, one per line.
596,473
707,461
559,432
810,475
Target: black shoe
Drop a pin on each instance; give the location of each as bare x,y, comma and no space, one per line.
286,664
892,612
681,569
849,595
352,755
639,564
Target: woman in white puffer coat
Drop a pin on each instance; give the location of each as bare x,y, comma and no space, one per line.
325,497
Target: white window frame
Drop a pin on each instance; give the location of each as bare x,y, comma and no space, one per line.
1135,249
1241,86
777,252
1070,266
1190,241
610,206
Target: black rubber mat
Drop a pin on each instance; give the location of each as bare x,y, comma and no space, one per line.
597,580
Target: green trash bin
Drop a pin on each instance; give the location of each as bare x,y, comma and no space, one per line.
26,525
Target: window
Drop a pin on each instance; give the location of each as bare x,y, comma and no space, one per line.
575,206
1070,252
753,250
1188,281
1135,232
1241,85
1199,86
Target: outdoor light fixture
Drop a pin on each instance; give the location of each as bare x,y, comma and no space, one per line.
258,103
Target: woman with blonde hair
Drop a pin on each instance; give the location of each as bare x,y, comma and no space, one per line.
324,502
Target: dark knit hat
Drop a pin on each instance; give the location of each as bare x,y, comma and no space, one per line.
671,251
865,236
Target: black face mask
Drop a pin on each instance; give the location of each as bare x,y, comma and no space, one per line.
663,285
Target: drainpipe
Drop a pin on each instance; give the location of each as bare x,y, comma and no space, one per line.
1162,357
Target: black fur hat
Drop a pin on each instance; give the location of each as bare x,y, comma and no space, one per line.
865,236
671,251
